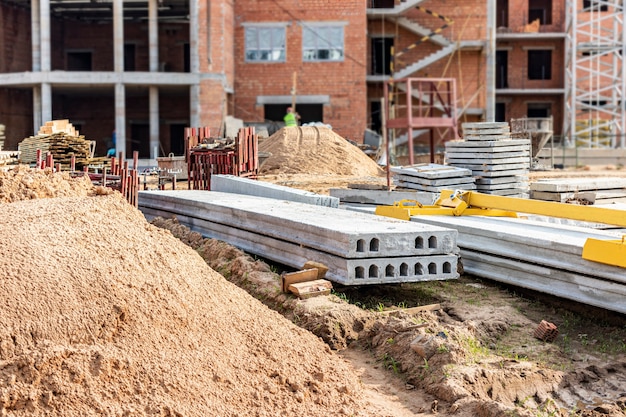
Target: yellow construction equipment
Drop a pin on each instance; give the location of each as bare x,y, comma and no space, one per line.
471,203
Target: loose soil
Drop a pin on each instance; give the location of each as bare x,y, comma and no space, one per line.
106,314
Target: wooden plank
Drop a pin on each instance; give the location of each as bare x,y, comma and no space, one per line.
311,288
299,276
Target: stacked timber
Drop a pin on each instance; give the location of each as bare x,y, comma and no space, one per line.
499,163
8,158
580,190
60,145
432,177
537,255
2,136
357,248
60,139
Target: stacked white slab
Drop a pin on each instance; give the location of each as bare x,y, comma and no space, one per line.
591,190
537,255
499,164
247,186
432,177
358,248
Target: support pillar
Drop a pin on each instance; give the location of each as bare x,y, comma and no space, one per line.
45,48
491,61
154,122
153,35
120,120
194,90
46,103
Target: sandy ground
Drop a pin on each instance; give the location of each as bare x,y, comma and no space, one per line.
106,314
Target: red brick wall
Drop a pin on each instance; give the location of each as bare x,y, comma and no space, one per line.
343,81
216,53
15,49
19,124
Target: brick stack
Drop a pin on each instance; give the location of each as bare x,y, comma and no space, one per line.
205,156
499,163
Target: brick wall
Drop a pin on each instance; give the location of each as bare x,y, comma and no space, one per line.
15,49
343,81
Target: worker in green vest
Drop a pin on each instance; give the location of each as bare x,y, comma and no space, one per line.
291,118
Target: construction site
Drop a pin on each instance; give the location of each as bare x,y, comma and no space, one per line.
441,233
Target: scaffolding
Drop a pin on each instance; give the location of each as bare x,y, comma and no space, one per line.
595,75
416,104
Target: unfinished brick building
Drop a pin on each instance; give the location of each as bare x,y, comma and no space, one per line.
140,71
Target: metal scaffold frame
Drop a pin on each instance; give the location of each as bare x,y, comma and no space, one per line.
595,74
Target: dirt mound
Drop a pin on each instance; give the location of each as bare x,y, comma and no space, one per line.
24,183
106,314
315,150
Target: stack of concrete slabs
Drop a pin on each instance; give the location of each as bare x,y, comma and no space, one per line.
358,248
536,255
433,177
500,164
604,190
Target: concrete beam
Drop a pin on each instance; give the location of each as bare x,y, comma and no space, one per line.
343,233
246,186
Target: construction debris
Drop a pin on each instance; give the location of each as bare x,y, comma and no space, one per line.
499,163
432,177
546,331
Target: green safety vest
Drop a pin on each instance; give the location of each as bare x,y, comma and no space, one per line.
290,119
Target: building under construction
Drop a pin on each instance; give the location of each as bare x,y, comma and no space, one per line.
132,74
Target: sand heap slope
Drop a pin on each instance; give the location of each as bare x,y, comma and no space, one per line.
315,150
104,314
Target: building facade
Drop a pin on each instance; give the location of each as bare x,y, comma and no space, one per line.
140,71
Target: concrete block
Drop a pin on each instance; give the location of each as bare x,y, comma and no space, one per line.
247,186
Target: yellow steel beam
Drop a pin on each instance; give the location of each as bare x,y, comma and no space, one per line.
611,252
404,209
546,208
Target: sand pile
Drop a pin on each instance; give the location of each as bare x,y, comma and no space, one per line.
23,183
315,150
105,314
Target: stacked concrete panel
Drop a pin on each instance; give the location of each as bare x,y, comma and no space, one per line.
581,190
537,255
499,164
247,186
358,248
433,177
2,137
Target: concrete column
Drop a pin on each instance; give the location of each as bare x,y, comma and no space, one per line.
194,90
118,35
35,24
153,34
491,61
46,103
120,120
37,108
45,34
154,122
194,105
194,26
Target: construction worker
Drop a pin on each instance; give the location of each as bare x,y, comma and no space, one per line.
291,118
